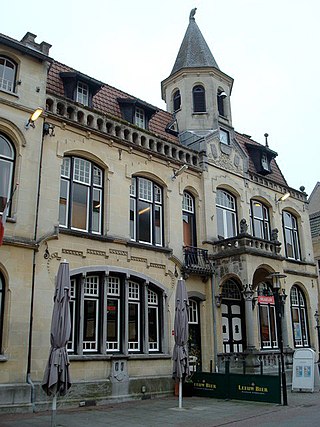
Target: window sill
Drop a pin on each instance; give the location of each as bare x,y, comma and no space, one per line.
102,357
200,113
149,247
9,93
3,358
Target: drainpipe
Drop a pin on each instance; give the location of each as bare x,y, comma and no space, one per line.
214,319
28,378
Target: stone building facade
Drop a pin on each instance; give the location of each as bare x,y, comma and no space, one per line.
134,197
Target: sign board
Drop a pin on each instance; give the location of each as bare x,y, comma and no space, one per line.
265,299
305,374
259,388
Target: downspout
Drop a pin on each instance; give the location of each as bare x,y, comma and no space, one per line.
28,379
214,320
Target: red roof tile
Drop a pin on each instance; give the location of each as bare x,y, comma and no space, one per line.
106,101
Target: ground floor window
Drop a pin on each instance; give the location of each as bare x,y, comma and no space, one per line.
115,314
267,317
1,308
299,317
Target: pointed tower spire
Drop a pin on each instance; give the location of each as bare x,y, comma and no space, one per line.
194,51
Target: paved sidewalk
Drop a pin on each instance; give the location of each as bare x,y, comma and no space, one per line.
303,410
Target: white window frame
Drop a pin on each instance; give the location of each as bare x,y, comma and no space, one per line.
83,174
140,117
8,85
90,346
153,304
7,160
226,211
82,92
292,231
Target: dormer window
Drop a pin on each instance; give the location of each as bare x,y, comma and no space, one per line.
199,99
265,162
136,112
82,93
176,101
139,118
79,87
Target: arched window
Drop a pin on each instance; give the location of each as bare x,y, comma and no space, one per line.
226,214
267,317
299,317
176,100
2,289
146,211
199,99
81,195
188,218
7,74
221,96
291,237
132,321
260,220
7,158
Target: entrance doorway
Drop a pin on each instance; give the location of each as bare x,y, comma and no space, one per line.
233,325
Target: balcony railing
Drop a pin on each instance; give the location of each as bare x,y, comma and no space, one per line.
245,243
196,261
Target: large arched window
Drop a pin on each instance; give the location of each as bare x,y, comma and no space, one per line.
146,211
299,317
81,195
7,74
267,317
291,237
199,99
176,100
188,218
2,289
131,323
7,158
260,220
226,214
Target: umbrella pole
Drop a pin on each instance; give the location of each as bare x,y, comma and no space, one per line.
180,393
54,411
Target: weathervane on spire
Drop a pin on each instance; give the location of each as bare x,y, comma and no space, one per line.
192,13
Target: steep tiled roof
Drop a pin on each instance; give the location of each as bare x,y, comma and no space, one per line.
106,102
275,175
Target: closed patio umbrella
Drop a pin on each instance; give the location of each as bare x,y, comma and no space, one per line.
56,377
181,334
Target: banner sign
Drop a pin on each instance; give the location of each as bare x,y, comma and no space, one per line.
259,388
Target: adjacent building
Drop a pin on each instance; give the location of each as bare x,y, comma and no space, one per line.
134,197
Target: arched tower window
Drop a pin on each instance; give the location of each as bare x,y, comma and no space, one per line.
199,99
176,100
221,96
226,214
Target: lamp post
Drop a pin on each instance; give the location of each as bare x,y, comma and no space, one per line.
316,316
279,313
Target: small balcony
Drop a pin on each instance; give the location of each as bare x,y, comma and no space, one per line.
246,244
196,262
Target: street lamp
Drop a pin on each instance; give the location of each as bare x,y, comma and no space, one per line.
280,312
316,316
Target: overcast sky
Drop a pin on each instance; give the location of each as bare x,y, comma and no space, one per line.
269,47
